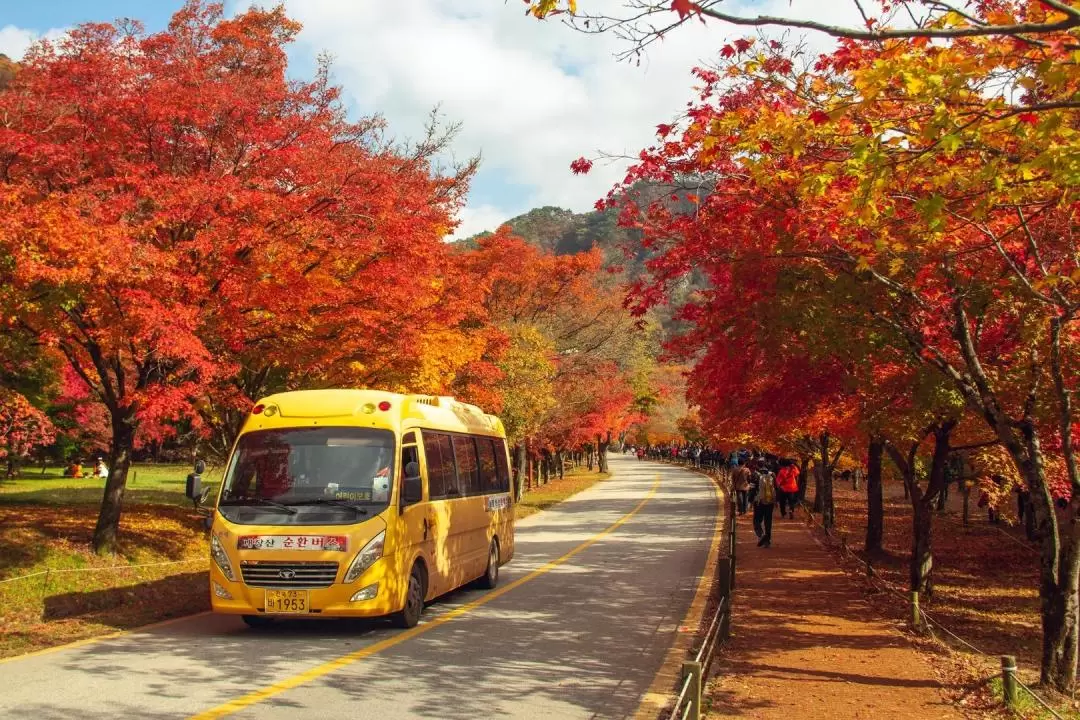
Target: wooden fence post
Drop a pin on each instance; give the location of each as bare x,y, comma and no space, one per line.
916,617
1008,679
693,669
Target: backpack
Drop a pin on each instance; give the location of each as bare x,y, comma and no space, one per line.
766,489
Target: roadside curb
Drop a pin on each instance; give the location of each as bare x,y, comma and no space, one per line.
658,697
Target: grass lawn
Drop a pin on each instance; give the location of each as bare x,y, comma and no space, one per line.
556,491
147,484
76,594
46,523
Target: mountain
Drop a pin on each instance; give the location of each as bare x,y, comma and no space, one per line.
564,232
7,70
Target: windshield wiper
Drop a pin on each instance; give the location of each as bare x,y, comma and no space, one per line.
261,501
333,501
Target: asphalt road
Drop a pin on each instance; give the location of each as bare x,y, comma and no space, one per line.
578,628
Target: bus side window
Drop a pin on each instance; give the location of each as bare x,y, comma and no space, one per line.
412,489
489,479
501,464
440,465
468,474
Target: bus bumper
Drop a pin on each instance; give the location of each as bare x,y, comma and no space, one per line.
382,597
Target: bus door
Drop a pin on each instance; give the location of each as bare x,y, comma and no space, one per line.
413,529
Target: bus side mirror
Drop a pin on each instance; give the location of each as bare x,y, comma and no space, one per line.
193,487
412,490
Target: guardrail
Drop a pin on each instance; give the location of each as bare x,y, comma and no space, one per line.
696,671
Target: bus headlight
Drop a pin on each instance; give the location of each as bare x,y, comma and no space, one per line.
366,557
221,558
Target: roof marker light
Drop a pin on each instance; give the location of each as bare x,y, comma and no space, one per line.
257,409
384,406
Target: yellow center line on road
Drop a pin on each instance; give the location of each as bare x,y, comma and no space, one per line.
345,660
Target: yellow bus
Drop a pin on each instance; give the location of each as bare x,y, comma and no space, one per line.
359,503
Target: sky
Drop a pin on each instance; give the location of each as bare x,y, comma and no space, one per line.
531,96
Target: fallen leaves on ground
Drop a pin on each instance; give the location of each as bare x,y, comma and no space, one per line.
82,594
986,592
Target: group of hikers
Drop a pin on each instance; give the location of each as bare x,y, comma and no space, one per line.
762,482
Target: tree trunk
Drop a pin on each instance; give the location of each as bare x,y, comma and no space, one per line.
828,463
967,505
602,446
923,501
922,552
1058,577
819,493
519,469
108,523
875,505
1059,611
589,457
559,464
804,477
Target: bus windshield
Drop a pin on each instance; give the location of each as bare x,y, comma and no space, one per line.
343,467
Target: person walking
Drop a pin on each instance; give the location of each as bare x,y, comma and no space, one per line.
763,507
740,480
787,486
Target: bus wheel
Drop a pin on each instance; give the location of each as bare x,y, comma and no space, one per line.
491,577
258,621
414,600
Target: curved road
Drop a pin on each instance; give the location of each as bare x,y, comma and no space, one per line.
578,628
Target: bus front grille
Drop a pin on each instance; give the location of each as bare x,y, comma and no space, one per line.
289,574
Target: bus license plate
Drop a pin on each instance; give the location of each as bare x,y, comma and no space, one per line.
287,601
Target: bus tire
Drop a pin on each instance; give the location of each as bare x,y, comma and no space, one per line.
409,615
490,578
257,621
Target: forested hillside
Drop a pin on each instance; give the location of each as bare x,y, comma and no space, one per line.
563,232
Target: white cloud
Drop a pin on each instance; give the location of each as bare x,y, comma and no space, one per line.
478,218
15,41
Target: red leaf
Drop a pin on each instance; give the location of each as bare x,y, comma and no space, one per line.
742,44
684,8
581,166
1029,117
663,130
819,118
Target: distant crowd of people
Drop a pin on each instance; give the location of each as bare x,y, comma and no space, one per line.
696,455
761,480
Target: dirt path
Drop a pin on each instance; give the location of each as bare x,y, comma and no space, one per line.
805,644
